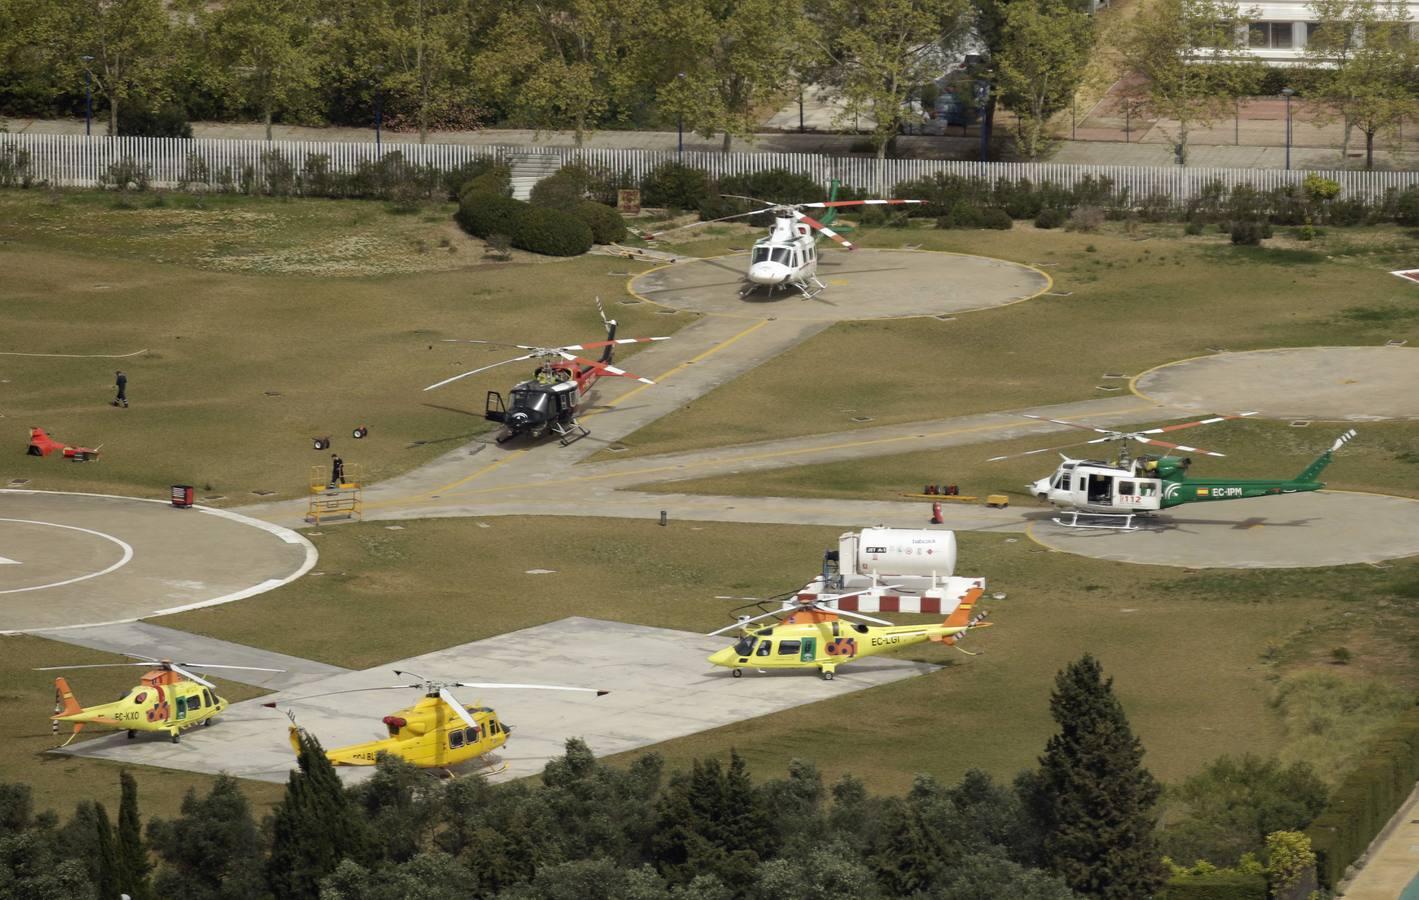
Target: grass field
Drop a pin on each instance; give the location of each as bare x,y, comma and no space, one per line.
1195,666
1383,459
243,368
58,782
1128,301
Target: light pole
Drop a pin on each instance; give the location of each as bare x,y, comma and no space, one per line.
88,96
1287,93
378,106
680,117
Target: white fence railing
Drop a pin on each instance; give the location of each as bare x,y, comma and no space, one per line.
72,160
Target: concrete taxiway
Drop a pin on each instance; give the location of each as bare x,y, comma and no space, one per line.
661,688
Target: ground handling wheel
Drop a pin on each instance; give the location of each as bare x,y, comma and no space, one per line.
132,734
737,673
176,737
827,674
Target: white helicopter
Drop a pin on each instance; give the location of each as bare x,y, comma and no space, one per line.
1096,494
788,256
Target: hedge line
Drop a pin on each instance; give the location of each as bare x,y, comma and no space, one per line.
1364,802
1215,886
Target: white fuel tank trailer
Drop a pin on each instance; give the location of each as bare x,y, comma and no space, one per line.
893,553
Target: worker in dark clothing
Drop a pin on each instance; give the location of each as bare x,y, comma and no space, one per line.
122,381
337,470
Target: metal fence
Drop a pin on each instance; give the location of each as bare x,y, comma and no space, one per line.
74,160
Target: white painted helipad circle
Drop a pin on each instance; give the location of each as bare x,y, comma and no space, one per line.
125,555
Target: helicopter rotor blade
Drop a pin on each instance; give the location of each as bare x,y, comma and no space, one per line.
194,665
489,343
1171,446
866,618
832,204
498,685
769,203
1041,450
596,345
193,677
740,623
92,666
452,701
476,371
815,224
871,590
386,687
1071,424
657,235
1166,428
607,368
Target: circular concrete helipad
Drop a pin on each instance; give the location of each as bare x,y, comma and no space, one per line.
1347,383
85,559
1327,528
862,284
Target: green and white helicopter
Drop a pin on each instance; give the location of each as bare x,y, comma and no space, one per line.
1095,494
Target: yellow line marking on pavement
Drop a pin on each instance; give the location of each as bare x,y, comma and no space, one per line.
396,501
677,467
664,375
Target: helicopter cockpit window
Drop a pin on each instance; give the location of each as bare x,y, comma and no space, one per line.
1147,489
765,647
455,739
138,700
194,702
536,401
788,648
780,255
744,646
470,735
761,254
1064,481
1125,488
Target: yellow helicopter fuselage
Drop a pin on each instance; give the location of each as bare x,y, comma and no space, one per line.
816,639
428,734
163,701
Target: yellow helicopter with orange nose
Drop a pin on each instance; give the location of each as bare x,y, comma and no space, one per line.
813,635
438,732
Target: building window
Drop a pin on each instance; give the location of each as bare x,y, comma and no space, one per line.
1269,35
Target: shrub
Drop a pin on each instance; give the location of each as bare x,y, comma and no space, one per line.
552,232
483,214
1406,207
675,186
942,192
1019,199
1220,885
496,182
1193,226
1250,233
15,168
1354,211
962,214
1209,204
607,226
1245,203
278,175
1306,232
1156,207
499,246
1050,217
1087,219
453,181
126,174
997,219
1289,205
561,190
1319,188
1099,192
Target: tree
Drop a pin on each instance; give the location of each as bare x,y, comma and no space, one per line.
714,822
1234,803
213,850
120,43
313,828
130,850
1093,794
1164,45
400,804
882,51
1045,47
265,46
110,874
1365,66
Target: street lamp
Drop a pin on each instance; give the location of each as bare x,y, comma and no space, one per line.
378,106
1287,93
680,117
88,96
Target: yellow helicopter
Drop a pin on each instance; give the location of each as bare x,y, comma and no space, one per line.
436,733
813,635
168,698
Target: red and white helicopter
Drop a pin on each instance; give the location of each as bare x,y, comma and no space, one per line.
551,398
788,256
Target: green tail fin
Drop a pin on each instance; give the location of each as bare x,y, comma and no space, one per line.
1312,472
832,195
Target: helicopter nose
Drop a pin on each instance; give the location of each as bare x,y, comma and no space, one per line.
723,657
767,273
1039,488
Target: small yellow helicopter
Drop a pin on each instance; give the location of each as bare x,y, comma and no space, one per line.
813,635
436,733
168,698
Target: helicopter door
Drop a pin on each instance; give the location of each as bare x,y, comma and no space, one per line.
1101,489
1141,493
181,708
808,652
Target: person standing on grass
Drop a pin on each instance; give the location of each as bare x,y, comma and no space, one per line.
121,380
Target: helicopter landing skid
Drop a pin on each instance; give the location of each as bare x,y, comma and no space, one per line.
568,435
808,294
1110,521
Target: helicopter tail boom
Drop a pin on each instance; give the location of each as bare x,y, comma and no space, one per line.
1312,472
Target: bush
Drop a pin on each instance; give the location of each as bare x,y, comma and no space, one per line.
483,214
126,174
1050,217
495,182
168,120
607,226
1350,212
1250,233
1363,803
997,219
453,181
962,214
942,192
551,232
675,186
1306,232
15,168
1406,207
561,190
1087,219
1215,886
1193,226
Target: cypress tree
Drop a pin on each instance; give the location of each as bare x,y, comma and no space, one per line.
109,882
314,828
134,866
1094,794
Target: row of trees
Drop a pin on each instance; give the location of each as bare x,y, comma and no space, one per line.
1360,66
1080,825
711,65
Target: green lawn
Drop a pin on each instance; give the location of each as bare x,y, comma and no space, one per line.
242,369
1194,666
1123,302
60,781
1382,459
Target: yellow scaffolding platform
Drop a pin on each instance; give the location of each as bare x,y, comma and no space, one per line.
330,500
